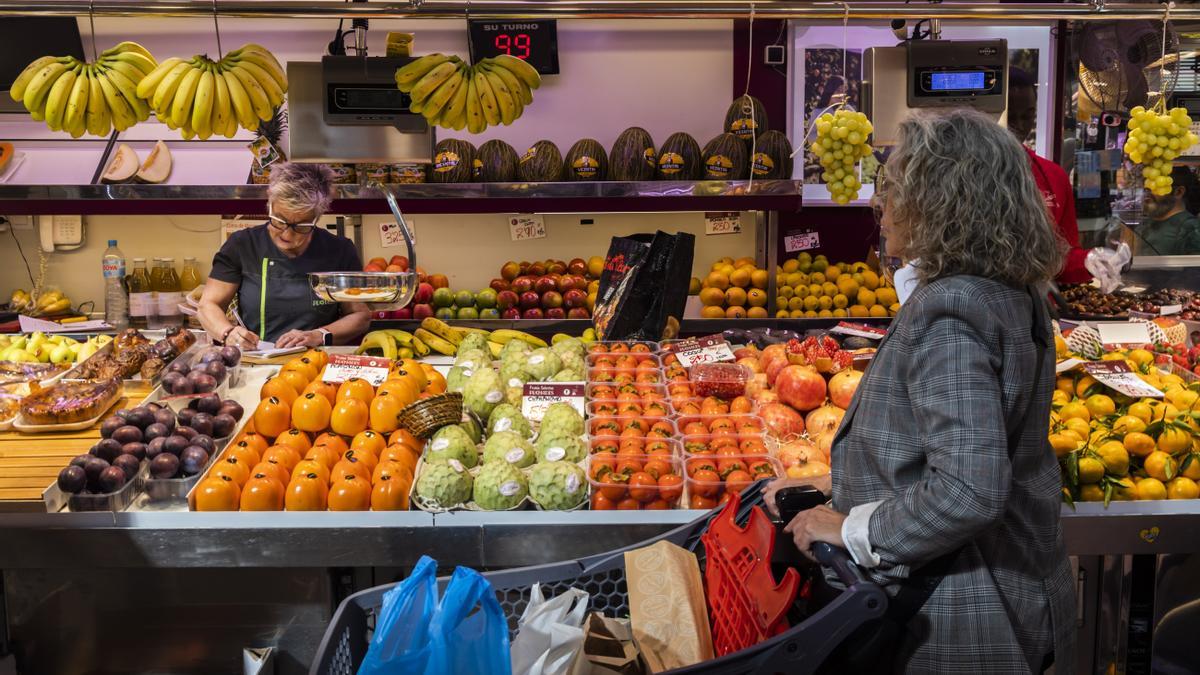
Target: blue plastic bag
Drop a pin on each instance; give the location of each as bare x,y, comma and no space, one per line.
418,634
401,643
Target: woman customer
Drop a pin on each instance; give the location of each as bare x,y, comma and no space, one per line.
942,477
267,267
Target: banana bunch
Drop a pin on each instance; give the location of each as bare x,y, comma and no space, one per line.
48,303
77,97
588,337
454,95
201,97
389,343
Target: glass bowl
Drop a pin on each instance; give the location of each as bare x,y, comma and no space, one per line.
373,288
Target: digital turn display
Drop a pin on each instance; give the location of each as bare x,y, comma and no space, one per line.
535,42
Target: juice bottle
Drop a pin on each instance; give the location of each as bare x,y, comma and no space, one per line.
169,295
153,318
190,278
141,298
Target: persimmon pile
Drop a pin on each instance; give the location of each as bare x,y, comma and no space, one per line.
634,482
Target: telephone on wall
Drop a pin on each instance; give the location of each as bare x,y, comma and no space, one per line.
63,232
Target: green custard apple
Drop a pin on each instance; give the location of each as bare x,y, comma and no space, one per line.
514,369
558,486
573,361
568,375
510,447
514,348
471,425
474,341
452,442
570,345
507,417
444,485
560,448
562,419
472,359
542,364
483,392
457,378
500,486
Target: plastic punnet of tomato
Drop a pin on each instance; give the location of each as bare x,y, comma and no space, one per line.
723,380
622,347
628,392
712,405
726,425
712,480
635,482
716,444
618,446
632,427
629,408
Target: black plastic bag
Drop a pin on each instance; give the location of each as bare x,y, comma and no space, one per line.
644,286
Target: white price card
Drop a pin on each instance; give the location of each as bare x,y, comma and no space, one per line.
391,235
342,367
1117,375
801,241
1123,333
722,222
536,397
711,349
859,330
1067,364
1168,310
231,225
526,226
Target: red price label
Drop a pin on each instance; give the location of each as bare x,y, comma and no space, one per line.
693,351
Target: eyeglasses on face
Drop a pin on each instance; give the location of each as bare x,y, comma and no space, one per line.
299,228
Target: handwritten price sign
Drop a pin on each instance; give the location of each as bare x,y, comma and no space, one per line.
692,351
538,396
722,222
803,241
342,367
1117,375
531,226
391,236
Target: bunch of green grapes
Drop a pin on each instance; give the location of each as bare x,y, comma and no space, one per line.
840,143
1154,140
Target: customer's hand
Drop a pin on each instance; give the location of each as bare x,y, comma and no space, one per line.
822,483
300,338
819,523
242,338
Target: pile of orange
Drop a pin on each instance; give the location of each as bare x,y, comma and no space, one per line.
733,289
313,445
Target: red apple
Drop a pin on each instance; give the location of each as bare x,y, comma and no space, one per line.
556,313
424,294
556,267
532,313
577,267
422,311
578,313
378,262
552,299
439,281
801,387
511,313
574,298
543,284
506,299
403,313
510,270
399,261
782,421
537,269
522,284
499,285
524,267
842,387
581,282
772,366
529,300
394,269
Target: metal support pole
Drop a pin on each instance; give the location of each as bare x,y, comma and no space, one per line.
770,231
108,148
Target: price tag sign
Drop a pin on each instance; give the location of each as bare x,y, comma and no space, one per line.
342,367
711,349
1123,333
859,330
722,222
1068,364
536,397
803,241
1167,310
1117,375
392,236
530,226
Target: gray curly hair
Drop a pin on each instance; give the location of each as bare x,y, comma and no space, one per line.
303,188
961,188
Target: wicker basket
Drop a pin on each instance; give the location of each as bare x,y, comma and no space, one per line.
428,415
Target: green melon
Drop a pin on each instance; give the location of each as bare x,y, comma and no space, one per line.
745,115
679,158
542,162
632,157
772,156
497,162
725,158
586,160
453,162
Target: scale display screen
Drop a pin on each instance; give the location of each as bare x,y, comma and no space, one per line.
957,81
375,99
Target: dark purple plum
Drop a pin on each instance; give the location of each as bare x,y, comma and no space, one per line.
155,447
178,367
109,425
216,369
202,383
107,449
193,459
186,415
175,445
111,479
187,432
202,423
156,430
210,404
80,460
210,356
173,382
93,469
72,479
138,450
152,407
129,464
128,434
223,425
165,417
231,355
232,408
164,466
205,442
123,414
141,417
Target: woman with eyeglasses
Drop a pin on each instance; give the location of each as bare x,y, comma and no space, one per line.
266,268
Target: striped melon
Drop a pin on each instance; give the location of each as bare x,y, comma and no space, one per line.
725,158
453,162
679,158
632,157
772,156
496,162
542,162
586,160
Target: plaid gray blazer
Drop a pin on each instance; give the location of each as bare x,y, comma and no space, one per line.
927,433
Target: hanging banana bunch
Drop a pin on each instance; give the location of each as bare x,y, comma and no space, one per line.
451,94
77,97
201,97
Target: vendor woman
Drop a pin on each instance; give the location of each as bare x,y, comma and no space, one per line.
267,267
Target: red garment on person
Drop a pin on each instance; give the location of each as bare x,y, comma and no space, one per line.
1060,199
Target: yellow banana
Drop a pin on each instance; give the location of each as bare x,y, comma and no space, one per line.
505,335
442,329
39,86
258,97
269,65
127,47
250,47
202,109
495,348
222,107
380,340
241,101
147,85
402,337
123,115
476,122
181,104
266,81
419,347
99,119
165,93
128,91
17,91
145,65
455,116
56,100
519,89
507,102
432,80
525,72
487,100
74,118
405,353
129,71
435,343
438,99
408,74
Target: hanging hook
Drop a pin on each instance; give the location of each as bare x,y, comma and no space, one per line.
470,42
92,22
845,30
1162,59
217,28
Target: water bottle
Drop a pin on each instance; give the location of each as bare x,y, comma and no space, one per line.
116,302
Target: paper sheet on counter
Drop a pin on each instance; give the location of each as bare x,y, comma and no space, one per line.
666,606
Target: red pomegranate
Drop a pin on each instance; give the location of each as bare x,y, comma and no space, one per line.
751,363
782,421
801,387
842,387
772,368
824,421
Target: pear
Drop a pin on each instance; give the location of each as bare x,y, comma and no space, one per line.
61,354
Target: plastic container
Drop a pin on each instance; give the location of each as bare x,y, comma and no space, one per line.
743,425
673,372
723,380
620,377
695,405
709,445
116,301
616,425
706,488
636,489
607,392
619,360
165,490
656,409
624,368
55,499
621,346
643,446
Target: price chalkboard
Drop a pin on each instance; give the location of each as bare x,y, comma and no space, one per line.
535,42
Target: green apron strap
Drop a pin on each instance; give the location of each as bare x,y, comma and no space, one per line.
262,304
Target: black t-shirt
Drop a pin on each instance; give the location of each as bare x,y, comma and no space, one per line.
286,300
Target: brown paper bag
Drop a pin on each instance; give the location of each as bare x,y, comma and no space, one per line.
608,648
666,606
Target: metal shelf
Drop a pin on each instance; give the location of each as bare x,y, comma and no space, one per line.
579,197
